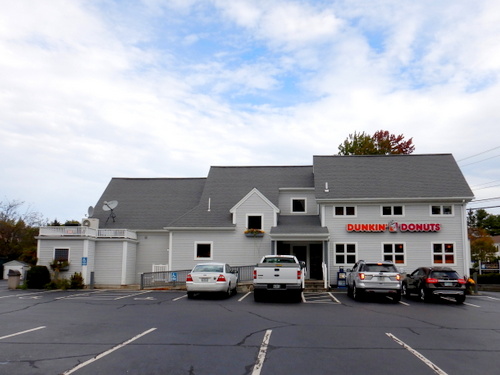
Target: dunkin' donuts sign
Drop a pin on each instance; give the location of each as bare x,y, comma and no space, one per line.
394,227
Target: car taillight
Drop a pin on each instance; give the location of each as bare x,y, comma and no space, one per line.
189,277
255,274
361,276
462,281
299,274
398,277
431,280
221,278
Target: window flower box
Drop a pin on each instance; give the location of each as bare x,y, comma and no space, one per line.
59,265
254,233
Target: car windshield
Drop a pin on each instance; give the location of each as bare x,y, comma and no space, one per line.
279,260
209,268
444,275
380,268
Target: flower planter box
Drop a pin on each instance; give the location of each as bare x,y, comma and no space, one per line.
254,234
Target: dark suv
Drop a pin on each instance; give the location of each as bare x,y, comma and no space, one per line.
429,282
374,277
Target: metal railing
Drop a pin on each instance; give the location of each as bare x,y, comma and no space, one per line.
178,278
83,231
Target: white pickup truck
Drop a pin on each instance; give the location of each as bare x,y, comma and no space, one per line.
282,274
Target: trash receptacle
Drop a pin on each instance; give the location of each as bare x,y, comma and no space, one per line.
14,279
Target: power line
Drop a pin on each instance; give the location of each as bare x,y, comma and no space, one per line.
479,161
484,152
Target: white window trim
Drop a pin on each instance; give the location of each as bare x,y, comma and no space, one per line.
211,243
296,199
344,215
261,220
345,253
392,210
405,253
61,248
441,214
454,254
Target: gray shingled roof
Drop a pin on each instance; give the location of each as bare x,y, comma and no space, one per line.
148,203
226,186
389,176
303,224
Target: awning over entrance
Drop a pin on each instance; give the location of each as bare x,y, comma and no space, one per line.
303,227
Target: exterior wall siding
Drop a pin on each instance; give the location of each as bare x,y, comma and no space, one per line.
151,249
285,202
108,263
418,245
46,253
232,247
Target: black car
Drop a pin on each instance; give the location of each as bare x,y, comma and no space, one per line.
430,282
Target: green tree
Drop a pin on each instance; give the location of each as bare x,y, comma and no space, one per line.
481,245
18,231
380,143
482,219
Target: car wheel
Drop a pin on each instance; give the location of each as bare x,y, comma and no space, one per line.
190,295
229,292
258,295
356,293
349,291
460,299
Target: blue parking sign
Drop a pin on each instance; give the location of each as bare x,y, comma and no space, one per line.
173,276
84,261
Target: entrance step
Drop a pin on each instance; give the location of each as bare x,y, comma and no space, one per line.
315,286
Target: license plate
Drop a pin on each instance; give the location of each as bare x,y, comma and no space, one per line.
276,286
204,279
448,284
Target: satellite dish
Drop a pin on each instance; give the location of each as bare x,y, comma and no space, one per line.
90,211
109,206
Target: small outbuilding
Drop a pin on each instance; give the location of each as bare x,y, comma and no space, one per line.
15,265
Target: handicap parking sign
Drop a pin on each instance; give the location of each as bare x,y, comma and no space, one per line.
173,276
84,261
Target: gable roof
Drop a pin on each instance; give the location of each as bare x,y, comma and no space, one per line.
148,203
363,177
226,186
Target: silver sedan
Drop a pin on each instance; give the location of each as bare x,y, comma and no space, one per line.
211,278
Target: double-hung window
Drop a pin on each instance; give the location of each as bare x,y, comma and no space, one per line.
392,211
394,252
439,210
345,253
443,253
344,211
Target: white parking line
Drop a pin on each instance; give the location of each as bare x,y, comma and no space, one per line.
245,296
465,303
20,333
334,298
404,303
262,353
496,299
178,298
436,369
132,295
28,294
83,364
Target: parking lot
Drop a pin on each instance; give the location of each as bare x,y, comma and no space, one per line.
163,332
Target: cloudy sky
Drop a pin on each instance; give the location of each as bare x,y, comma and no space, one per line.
92,90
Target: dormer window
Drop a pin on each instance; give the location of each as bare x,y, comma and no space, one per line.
299,205
254,222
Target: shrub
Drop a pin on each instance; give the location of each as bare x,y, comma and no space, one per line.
58,284
37,277
488,278
76,281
